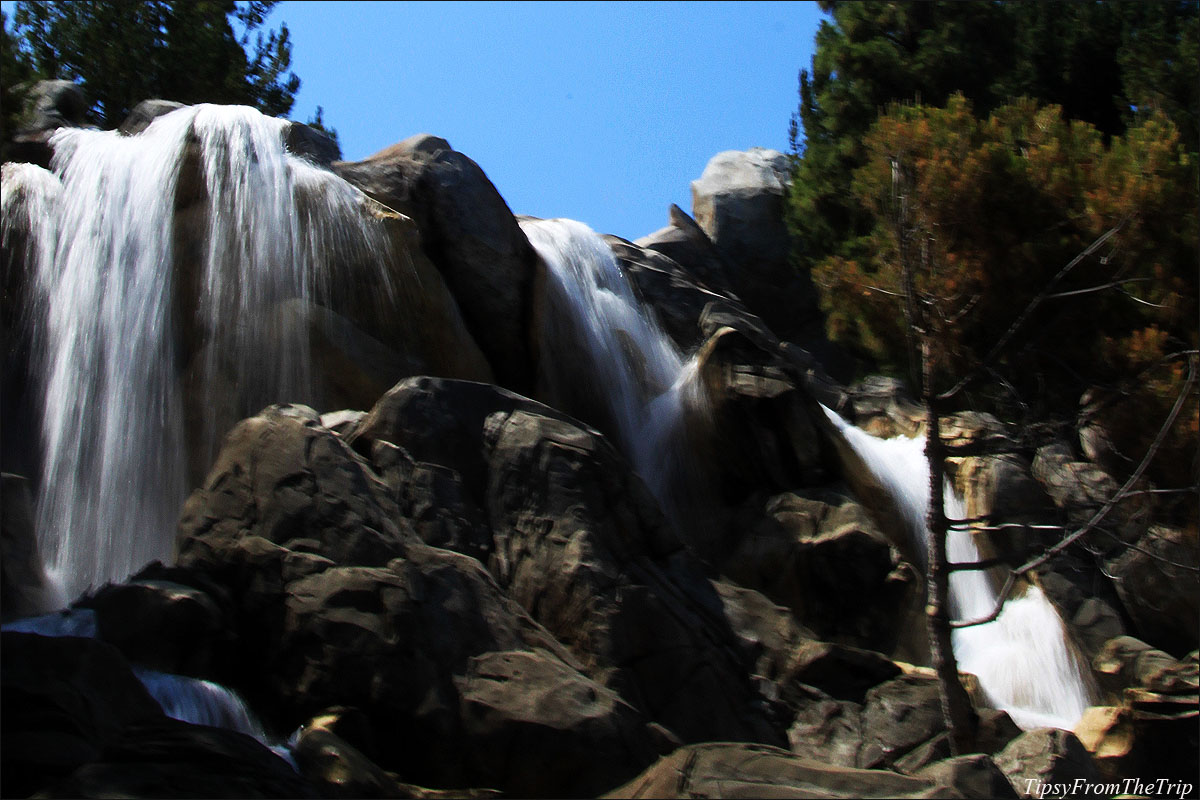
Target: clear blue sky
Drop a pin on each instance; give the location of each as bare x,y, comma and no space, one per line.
602,112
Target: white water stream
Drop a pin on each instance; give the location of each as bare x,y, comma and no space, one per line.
1023,659
644,382
170,267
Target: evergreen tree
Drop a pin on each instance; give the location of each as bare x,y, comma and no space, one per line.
124,52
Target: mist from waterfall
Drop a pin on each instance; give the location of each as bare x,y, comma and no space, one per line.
179,264
610,348
1023,659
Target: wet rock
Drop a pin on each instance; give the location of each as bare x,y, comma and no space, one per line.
750,770
317,146
146,112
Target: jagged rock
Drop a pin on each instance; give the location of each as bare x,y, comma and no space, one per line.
769,632
468,231
146,112
753,770
825,729
844,672
24,590
1126,661
972,775
685,243
579,543
677,296
1046,757
282,478
1158,588
1078,488
739,202
819,554
902,725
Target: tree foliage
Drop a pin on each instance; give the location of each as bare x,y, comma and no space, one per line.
994,208
1109,64
124,52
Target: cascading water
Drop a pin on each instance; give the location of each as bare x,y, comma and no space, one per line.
645,384
1023,659
191,700
180,257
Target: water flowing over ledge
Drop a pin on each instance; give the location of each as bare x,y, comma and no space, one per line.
170,267
1024,660
646,385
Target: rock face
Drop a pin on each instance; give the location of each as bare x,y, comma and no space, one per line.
739,202
469,233
747,770
579,543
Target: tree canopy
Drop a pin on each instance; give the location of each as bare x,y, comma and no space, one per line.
124,52
1105,63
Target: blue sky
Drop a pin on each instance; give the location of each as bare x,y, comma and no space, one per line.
602,112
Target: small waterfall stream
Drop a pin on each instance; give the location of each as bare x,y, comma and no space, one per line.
1023,659
644,383
173,272
191,700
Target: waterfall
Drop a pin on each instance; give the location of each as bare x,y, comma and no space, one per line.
191,700
610,352
181,264
1023,659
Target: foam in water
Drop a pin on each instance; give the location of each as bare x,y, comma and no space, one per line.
179,259
645,383
1024,660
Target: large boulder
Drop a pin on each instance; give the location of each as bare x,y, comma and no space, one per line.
751,770
739,202
470,234
820,554
1156,581
578,541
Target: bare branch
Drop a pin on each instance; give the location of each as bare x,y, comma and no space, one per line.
1101,288
1027,312
1099,516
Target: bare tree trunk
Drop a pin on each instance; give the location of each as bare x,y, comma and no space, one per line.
957,711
